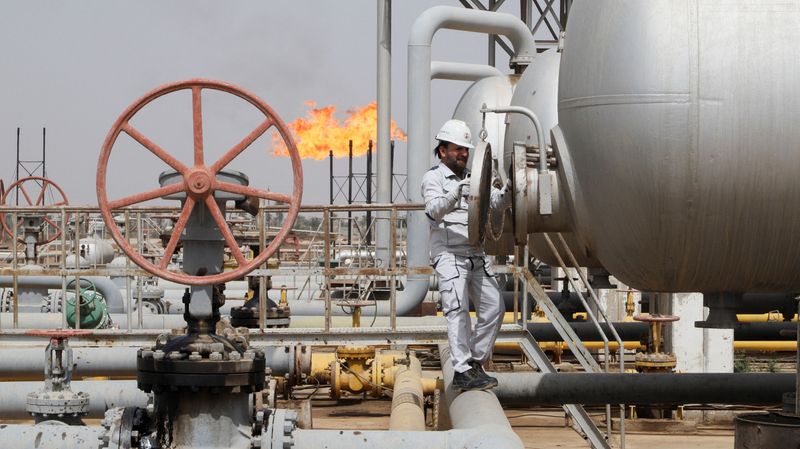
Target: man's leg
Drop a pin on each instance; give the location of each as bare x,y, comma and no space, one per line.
454,306
453,293
489,309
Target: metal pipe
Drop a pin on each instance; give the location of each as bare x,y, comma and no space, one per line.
419,114
53,320
383,142
103,394
44,436
475,409
408,412
459,71
645,389
477,417
369,193
536,124
27,363
104,286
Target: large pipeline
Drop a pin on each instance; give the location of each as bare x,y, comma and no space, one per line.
644,389
44,436
477,417
103,395
118,361
104,286
408,402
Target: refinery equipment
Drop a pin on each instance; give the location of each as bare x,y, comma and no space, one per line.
650,149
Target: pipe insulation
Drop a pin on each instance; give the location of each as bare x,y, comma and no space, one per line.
459,71
645,389
408,401
477,417
103,395
46,436
116,361
104,286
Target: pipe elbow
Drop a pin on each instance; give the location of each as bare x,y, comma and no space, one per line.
489,22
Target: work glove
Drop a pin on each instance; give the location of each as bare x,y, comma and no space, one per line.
507,193
464,186
462,189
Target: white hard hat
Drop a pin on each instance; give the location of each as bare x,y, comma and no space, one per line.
457,132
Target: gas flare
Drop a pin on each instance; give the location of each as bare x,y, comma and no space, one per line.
320,132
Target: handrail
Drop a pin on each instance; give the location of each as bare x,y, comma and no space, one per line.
594,320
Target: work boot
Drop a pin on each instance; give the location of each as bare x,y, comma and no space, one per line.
479,369
470,380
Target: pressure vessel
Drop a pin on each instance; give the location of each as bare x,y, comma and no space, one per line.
679,141
537,90
495,91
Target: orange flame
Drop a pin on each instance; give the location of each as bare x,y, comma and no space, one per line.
320,132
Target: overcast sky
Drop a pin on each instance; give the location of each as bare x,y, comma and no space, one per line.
73,67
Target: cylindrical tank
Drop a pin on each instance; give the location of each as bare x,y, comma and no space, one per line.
537,90
680,141
495,91
96,249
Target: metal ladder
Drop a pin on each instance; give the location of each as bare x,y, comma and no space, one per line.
560,323
581,421
591,316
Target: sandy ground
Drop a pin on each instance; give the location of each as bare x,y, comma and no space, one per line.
537,429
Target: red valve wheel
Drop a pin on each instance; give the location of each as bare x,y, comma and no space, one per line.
199,181
50,194
57,333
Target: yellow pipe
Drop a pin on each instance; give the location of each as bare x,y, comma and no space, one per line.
771,346
408,411
761,317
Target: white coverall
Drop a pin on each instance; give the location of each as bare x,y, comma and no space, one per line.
465,272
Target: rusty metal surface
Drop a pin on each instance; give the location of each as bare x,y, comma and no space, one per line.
381,336
57,333
44,185
199,180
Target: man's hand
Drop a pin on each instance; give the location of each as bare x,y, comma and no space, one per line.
507,186
464,187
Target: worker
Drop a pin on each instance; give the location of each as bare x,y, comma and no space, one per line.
465,272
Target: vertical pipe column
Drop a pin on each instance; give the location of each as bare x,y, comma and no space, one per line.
491,59
369,193
350,194
419,126
330,179
383,143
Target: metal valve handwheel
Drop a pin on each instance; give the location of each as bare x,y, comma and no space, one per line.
199,181
49,194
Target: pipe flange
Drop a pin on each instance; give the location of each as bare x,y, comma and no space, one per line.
355,352
277,317
519,211
123,428
57,403
479,199
217,370
280,426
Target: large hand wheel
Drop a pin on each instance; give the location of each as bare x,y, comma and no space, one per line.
199,182
48,194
